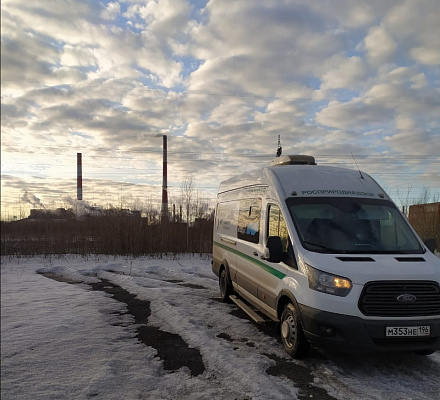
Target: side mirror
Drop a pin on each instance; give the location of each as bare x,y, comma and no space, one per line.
275,248
431,244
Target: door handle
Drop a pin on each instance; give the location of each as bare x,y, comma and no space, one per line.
255,253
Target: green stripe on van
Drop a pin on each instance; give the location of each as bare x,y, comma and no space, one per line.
253,260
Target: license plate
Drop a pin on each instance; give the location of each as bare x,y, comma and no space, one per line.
407,331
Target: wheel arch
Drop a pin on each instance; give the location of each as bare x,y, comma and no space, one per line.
224,265
284,298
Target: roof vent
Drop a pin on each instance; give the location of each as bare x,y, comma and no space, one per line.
293,160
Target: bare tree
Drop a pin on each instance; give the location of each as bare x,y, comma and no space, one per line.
426,197
188,189
405,200
201,206
188,192
136,204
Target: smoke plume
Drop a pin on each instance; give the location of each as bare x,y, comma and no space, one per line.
32,199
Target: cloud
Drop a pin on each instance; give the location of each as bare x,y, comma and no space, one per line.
344,72
111,11
222,79
426,55
165,18
354,115
417,25
78,56
380,46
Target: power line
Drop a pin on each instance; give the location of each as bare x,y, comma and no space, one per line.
269,155
333,158
216,94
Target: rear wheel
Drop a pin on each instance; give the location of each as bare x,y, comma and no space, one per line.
292,334
225,286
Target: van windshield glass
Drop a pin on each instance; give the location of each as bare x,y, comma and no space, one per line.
352,225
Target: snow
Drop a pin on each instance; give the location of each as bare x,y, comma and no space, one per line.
61,339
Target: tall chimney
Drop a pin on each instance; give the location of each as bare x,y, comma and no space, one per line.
164,183
79,185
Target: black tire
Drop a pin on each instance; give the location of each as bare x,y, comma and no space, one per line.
225,286
424,352
292,335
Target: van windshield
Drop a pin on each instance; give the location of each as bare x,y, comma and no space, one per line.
352,225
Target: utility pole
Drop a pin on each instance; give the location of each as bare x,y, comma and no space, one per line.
164,212
79,191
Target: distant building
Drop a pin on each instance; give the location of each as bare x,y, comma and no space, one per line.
88,212
59,213
425,219
95,212
122,212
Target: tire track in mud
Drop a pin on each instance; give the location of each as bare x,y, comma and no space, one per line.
301,375
175,353
171,348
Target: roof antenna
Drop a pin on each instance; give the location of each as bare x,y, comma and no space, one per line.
279,149
357,166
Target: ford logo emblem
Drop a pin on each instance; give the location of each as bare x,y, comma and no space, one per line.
406,298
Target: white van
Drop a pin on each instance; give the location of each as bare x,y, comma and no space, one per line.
326,253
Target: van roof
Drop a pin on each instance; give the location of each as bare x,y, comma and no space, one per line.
309,180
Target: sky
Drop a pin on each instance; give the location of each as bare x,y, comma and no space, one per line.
340,80
63,340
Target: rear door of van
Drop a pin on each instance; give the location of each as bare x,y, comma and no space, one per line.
225,237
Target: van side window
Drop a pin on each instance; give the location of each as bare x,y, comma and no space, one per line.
248,227
226,217
276,226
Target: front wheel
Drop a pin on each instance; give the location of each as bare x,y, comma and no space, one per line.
292,335
225,286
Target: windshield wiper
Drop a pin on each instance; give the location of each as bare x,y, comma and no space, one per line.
321,246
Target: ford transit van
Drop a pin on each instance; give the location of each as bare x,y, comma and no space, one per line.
326,253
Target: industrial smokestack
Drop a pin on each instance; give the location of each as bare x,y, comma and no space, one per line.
164,183
79,188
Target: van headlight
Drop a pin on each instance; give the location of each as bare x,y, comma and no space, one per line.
328,283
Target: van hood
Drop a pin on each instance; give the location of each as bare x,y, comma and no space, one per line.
363,268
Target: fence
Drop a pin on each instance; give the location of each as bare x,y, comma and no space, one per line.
110,235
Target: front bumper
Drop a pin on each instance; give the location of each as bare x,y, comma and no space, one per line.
353,334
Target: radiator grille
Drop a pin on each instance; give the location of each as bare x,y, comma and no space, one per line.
380,299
